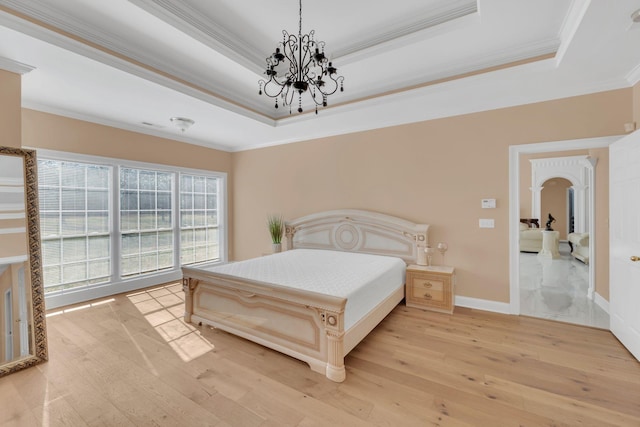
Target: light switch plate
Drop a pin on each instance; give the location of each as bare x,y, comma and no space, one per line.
488,203
487,223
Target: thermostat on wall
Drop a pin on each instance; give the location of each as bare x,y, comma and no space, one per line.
488,203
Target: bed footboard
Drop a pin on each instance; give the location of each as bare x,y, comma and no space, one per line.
305,325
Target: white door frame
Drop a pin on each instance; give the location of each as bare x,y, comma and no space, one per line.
514,206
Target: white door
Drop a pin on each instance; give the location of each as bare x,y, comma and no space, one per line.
23,314
8,326
624,235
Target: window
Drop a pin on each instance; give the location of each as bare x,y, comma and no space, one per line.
145,221
149,219
198,219
74,223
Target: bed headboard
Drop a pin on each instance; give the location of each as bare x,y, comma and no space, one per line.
355,230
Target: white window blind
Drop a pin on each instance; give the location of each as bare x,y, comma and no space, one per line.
74,223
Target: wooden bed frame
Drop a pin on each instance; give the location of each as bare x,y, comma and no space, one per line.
306,325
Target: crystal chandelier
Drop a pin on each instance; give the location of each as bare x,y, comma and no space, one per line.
297,66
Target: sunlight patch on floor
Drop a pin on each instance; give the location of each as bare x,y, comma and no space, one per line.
163,308
80,307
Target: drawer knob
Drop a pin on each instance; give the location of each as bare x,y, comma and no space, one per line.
428,295
428,285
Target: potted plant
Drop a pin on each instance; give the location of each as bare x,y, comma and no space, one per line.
276,229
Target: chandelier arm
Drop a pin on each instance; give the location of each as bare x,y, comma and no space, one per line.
287,98
315,94
336,84
270,84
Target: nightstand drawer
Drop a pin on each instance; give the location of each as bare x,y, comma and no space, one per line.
428,284
418,292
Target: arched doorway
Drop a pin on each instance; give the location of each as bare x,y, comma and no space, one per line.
520,204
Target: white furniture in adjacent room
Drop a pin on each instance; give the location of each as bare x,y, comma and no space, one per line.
579,243
550,245
530,239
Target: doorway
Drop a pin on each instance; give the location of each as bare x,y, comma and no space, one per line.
516,195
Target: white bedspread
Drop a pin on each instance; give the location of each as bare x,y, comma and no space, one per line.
365,280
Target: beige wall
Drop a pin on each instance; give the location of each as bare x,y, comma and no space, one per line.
434,172
43,130
52,132
553,200
12,245
10,105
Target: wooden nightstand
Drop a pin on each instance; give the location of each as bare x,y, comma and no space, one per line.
430,287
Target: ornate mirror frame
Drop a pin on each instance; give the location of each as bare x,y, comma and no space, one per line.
39,334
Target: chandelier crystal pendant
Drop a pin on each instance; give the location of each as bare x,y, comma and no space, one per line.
297,66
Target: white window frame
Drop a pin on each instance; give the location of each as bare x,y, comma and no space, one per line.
119,285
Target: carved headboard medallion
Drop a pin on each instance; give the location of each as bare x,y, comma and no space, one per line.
358,231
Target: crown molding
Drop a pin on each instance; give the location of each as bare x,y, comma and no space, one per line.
535,52
15,230
112,51
13,259
437,21
633,77
486,63
15,66
11,185
11,207
538,52
215,35
120,125
13,215
570,26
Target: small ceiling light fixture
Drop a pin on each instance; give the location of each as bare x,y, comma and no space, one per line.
182,123
299,65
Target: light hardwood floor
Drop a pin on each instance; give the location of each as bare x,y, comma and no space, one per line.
132,361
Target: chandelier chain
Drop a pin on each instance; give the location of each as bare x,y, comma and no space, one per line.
300,21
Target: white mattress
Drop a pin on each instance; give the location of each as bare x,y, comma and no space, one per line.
365,280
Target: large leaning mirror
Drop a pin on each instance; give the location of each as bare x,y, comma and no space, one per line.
23,338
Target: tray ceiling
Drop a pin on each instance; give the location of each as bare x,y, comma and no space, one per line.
134,64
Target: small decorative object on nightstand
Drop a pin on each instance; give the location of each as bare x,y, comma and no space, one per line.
430,287
442,248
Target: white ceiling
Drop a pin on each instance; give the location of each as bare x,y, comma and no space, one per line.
125,63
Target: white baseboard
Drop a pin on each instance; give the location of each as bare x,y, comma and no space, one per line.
602,303
483,304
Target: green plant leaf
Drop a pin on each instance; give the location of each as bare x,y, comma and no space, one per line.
275,224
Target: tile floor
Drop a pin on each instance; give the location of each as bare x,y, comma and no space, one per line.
557,290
